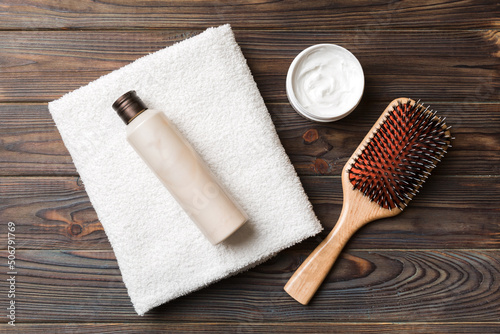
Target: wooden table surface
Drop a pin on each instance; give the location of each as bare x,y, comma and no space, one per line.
434,268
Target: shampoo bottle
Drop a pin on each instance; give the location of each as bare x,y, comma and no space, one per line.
174,161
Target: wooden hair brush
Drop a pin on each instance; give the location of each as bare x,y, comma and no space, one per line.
378,181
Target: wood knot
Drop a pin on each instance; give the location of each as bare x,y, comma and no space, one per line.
321,166
75,229
310,136
359,267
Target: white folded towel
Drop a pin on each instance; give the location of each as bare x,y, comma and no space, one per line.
205,87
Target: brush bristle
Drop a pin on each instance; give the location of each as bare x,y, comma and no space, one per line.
398,159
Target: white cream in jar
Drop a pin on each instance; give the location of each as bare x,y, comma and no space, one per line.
325,82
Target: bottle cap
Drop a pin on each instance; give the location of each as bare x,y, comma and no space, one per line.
128,106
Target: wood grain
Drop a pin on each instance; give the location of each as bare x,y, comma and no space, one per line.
50,213
86,14
442,65
357,210
252,327
475,126
30,144
369,286
450,212
435,268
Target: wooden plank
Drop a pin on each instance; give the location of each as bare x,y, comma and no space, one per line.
450,212
374,286
31,145
86,14
400,275
251,327
50,213
432,65
324,148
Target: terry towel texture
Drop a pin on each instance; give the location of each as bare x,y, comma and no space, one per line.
205,87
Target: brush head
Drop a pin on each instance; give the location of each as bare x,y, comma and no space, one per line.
399,154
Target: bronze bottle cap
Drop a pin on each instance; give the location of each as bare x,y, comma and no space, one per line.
128,106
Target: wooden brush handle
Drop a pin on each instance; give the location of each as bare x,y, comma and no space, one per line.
357,210
306,280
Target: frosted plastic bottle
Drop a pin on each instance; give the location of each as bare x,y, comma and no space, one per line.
174,161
